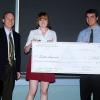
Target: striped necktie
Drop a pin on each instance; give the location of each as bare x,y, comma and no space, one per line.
11,50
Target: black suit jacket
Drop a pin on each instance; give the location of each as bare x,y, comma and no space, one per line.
4,50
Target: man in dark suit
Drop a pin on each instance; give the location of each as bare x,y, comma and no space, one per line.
9,69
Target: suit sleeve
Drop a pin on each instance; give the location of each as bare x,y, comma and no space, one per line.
18,53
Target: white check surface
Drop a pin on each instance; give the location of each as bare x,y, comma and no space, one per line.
66,57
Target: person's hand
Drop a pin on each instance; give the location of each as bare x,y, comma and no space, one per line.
27,48
50,40
35,40
18,75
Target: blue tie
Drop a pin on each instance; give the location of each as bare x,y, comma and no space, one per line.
91,36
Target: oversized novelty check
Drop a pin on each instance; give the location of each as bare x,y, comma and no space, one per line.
66,57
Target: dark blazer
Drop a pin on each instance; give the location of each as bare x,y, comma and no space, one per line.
4,50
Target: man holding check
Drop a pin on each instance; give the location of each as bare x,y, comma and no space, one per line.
90,83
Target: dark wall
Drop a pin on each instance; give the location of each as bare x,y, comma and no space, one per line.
66,17
6,5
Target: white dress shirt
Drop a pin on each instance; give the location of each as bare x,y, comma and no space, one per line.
50,36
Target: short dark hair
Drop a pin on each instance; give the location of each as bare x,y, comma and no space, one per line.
92,11
6,12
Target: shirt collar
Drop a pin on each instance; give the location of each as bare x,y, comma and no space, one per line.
7,30
41,31
94,27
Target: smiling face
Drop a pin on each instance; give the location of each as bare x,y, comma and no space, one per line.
91,19
8,20
43,22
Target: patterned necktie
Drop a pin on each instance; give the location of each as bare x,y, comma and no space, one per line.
91,36
11,50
